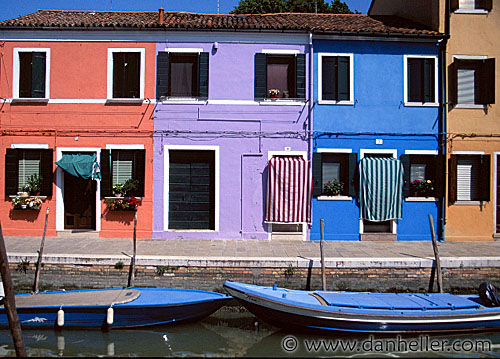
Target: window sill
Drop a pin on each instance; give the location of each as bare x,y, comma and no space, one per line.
421,199
192,230
469,203
470,106
183,101
124,100
30,100
281,102
471,11
421,104
138,198
331,102
41,197
334,198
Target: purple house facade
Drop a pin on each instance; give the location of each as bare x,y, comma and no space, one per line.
227,102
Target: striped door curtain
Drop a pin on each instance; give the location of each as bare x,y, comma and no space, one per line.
289,190
381,189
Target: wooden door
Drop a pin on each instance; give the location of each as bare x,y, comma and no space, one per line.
79,202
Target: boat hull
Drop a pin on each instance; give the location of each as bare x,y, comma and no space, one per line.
292,314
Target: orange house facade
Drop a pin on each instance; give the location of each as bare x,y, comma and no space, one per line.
81,100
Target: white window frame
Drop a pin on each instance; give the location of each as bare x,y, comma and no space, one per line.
123,147
362,153
470,11
16,73
469,57
426,153
111,51
339,151
468,203
166,180
406,79
320,79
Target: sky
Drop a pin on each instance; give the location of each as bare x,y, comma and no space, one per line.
13,8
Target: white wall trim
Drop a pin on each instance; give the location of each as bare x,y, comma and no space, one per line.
16,69
334,150
112,50
124,147
41,146
60,189
166,173
320,79
468,152
470,57
186,50
280,52
471,11
422,152
436,81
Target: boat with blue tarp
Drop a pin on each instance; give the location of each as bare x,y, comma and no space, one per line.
366,311
113,308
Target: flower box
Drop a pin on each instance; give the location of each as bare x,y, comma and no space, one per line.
122,203
27,202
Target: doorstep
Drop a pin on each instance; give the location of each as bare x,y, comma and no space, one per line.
378,237
78,233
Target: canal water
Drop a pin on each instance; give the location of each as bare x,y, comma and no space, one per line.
234,332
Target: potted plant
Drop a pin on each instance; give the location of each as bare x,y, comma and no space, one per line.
118,190
274,93
130,186
286,94
33,185
333,188
422,188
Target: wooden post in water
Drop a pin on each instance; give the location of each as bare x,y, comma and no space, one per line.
40,254
436,256
131,274
9,301
323,275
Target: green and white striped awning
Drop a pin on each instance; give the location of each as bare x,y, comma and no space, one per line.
381,188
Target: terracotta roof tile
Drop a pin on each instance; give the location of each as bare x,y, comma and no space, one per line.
327,23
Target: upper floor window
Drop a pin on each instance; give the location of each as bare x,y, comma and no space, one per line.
472,81
471,5
280,76
31,73
182,74
421,83
335,74
126,73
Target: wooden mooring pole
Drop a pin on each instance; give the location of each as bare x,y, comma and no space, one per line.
9,301
131,274
40,255
436,256
323,275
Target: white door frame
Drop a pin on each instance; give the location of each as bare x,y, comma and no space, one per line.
394,154
60,188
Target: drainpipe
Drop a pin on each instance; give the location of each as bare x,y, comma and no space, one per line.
311,105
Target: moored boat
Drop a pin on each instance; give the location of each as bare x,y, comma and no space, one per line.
364,311
113,308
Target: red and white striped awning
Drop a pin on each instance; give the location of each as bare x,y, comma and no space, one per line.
289,190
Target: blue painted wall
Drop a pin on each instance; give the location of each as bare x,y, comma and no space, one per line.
378,112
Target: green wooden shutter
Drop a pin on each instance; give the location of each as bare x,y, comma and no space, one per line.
438,175
38,75
484,178
405,160
486,82
162,72
133,75
11,171
429,76
106,188
353,168
414,80
343,78
452,83
329,78
317,171
139,171
46,171
260,85
300,76
25,74
118,75
452,179
203,74
484,4
454,5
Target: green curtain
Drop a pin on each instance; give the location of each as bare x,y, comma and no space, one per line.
82,165
381,188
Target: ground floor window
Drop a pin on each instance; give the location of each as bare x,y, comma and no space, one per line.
333,173
469,177
422,174
191,189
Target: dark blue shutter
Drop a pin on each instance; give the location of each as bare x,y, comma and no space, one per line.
260,86
162,72
343,78
429,75
139,171
329,78
405,161
46,172
352,180
203,74
38,75
317,172
11,171
106,188
300,76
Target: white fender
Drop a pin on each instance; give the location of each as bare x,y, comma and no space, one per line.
109,316
60,317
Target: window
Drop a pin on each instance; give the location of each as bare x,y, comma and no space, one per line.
469,178
182,75
419,169
331,166
119,165
279,76
335,78
472,81
20,164
31,73
421,83
126,73
471,5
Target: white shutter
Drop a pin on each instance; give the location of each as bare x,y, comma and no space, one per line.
331,171
467,181
467,4
122,167
29,165
465,86
417,172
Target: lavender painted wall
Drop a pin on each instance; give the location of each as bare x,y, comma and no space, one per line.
244,131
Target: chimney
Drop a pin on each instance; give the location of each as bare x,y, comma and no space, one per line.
160,15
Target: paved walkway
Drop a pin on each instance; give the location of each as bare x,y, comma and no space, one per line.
87,250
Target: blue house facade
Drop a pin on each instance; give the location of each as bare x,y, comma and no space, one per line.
376,99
